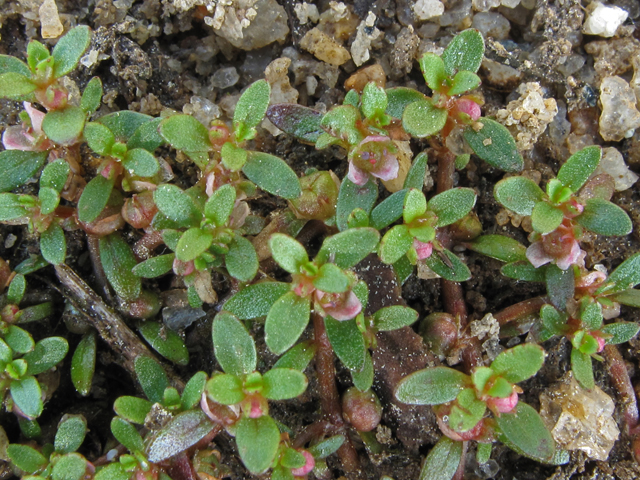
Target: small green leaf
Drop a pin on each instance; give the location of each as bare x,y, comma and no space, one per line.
524,271
272,175
18,167
374,100
70,434
326,447
146,136
26,458
467,412
464,52
398,98
518,194
64,126
298,357
241,259
225,389
46,354
625,276
453,269
545,218
628,297
256,300
340,122
12,64
132,409
49,200
165,341
523,431
288,252
177,205
94,198
155,266
180,433
233,157
193,243
92,95
493,143
331,279
99,138
519,363
363,379
15,85
55,175
347,342
415,205
67,52
431,386
283,383
152,378
234,347
27,396
18,339
432,68
113,471
582,368
118,260
452,205
394,317
463,82
553,321
53,245
287,319
258,440
605,218
423,119
124,123
141,163
72,466
183,132
622,332
560,286
483,452
417,172
301,122
220,205
579,167
347,249
193,391
500,247
352,196
443,460
11,207
395,243
251,107
389,210
127,434
591,315
37,54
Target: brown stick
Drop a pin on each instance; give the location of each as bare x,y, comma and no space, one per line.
109,325
620,378
329,397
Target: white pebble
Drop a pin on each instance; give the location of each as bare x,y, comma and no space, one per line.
604,20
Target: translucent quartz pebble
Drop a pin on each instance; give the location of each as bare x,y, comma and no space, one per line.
604,20
619,117
580,419
612,163
225,77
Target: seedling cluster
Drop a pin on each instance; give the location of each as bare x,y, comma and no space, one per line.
302,267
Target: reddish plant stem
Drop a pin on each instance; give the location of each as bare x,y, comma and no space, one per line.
620,378
329,397
459,475
147,244
522,309
311,432
452,293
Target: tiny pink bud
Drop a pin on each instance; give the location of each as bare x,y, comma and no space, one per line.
363,410
183,268
504,405
469,107
256,408
423,250
601,343
307,467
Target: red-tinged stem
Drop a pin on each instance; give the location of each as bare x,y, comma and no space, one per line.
311,432
459,475
329,397
147,244
620,378
522,309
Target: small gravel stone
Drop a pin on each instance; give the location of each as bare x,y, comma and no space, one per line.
426,9
366,33
225,77
491,24
613,164
604,20
50,20
324,47
500,75
619,117
306,12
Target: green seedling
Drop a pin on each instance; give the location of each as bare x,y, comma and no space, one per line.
462,401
